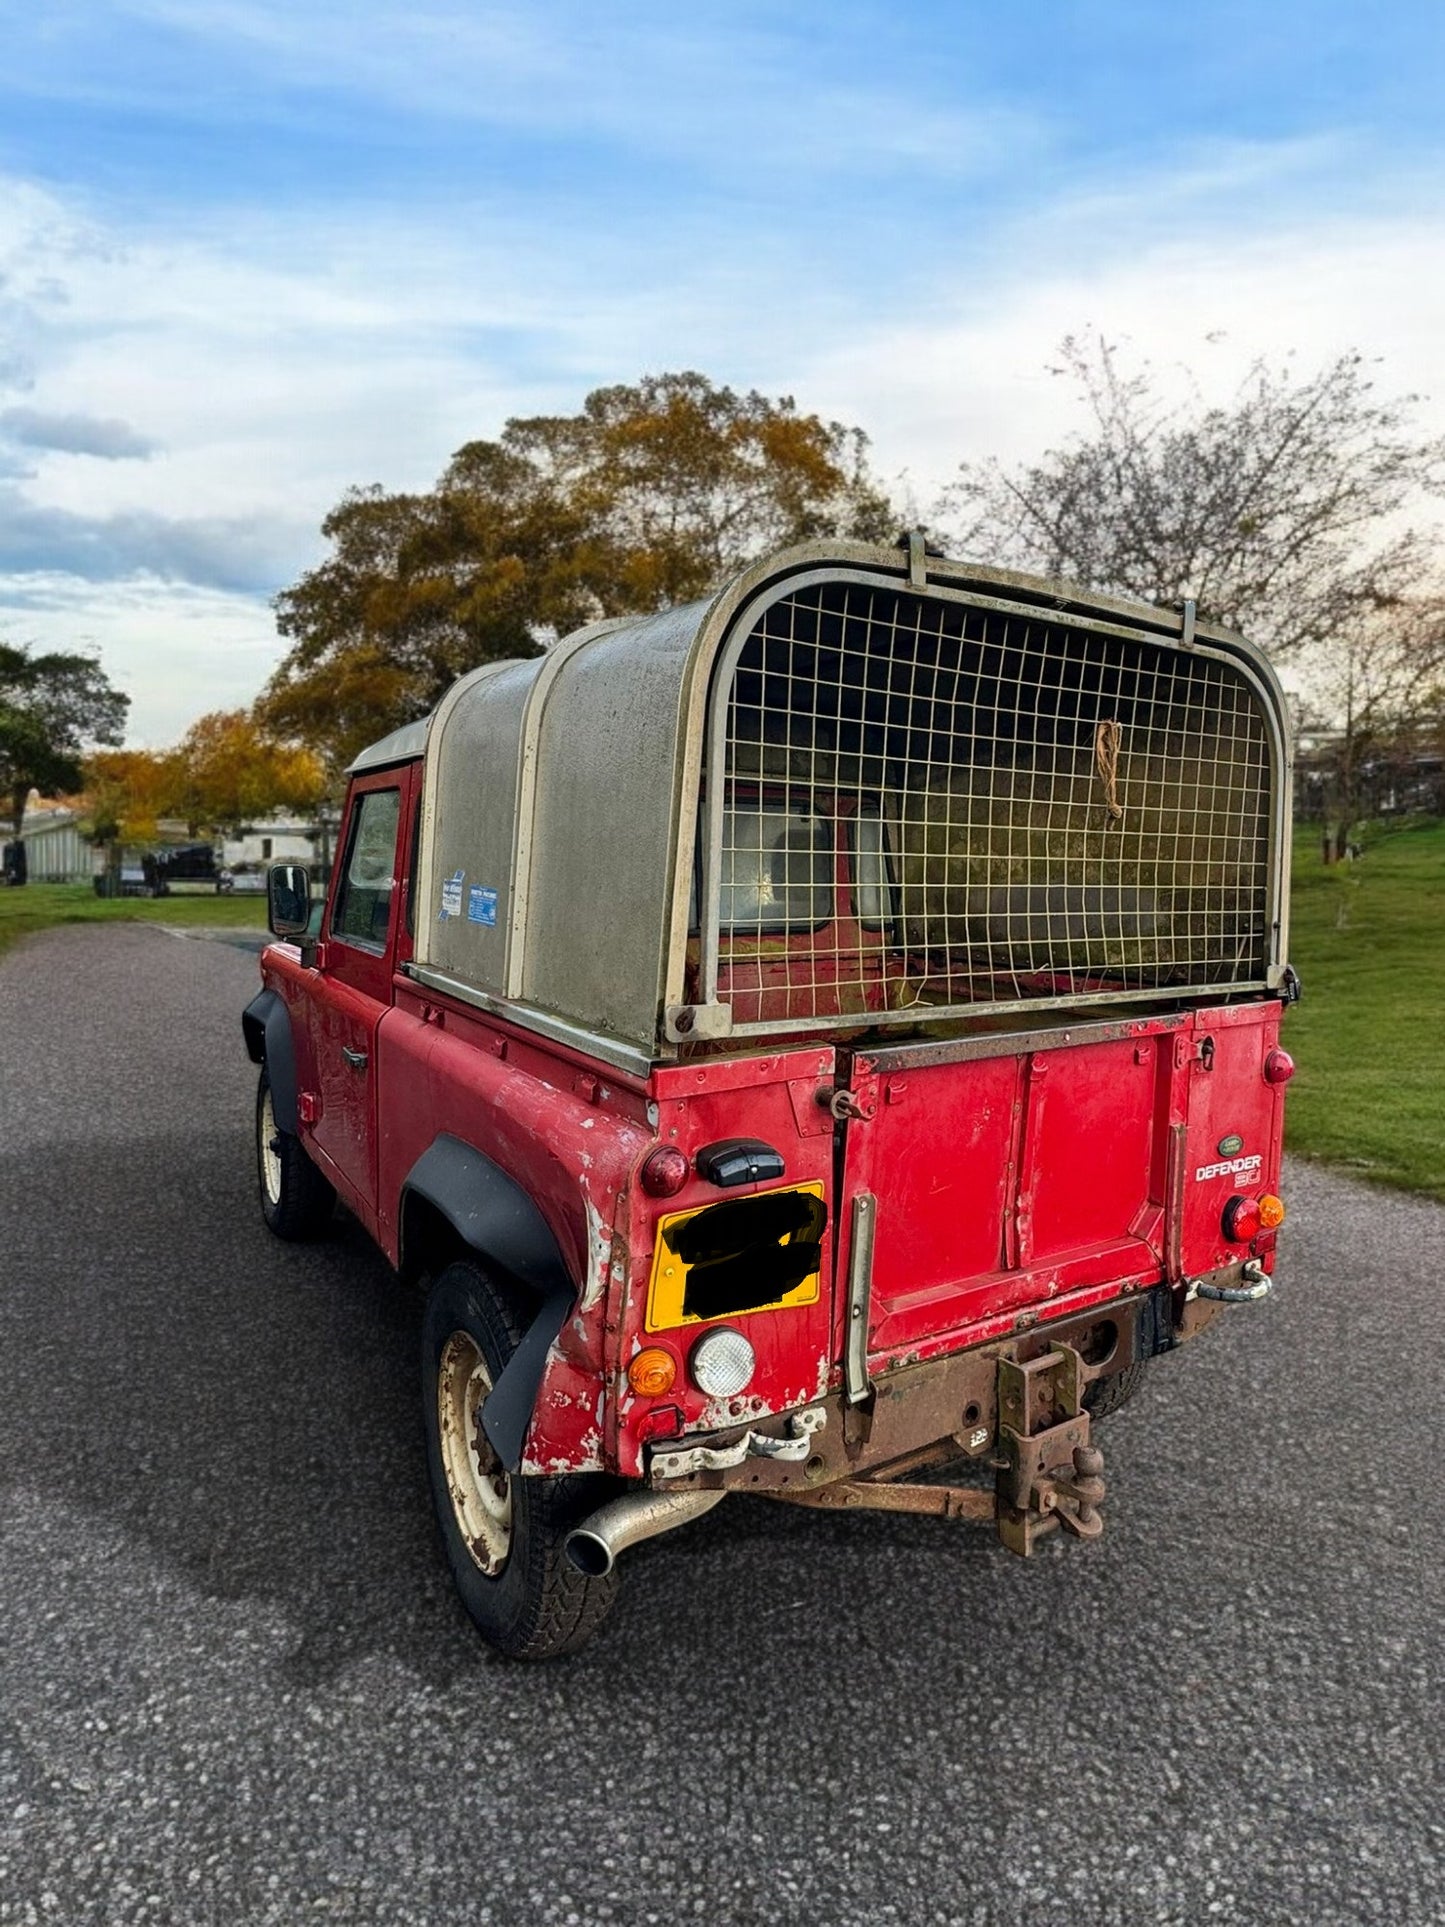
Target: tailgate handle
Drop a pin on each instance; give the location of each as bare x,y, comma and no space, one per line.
358,1059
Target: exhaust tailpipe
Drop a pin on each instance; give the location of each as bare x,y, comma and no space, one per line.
593,1546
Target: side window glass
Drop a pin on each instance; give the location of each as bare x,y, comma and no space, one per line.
363,897
873,900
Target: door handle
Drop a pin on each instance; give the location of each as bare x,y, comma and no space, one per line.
358,1059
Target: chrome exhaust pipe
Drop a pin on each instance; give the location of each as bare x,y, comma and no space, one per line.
593,1546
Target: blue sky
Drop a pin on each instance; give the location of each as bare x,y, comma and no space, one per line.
251,253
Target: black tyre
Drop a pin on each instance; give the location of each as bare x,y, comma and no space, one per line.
1106,1395
296,1201
503,1534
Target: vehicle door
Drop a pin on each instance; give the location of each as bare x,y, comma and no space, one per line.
358,957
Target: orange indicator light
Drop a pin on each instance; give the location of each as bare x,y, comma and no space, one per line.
1271,1212
652,1372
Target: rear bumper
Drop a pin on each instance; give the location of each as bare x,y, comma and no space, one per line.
946,1408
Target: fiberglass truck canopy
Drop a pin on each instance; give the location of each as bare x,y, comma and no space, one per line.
860,789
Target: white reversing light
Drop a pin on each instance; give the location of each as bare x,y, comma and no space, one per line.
721,1362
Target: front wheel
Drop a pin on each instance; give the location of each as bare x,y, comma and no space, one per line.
504,1534
296,1201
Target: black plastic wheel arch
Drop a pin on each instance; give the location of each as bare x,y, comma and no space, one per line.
266,1027
495,1218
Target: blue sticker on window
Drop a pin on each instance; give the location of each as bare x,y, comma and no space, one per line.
452,896
481,905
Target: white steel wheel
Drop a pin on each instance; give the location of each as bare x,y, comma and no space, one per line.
505,1536
479,1488
296,1201
268,1147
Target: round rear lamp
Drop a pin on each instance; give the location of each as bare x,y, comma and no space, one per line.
1271,1212
664,1171
652,1372
1241,1220
1278,1067
721,1362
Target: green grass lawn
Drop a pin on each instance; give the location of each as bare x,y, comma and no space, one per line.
40,905
1368,940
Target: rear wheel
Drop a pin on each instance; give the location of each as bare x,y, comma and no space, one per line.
1106,1395
296,1201
503,1534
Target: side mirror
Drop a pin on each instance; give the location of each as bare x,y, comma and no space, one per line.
288,899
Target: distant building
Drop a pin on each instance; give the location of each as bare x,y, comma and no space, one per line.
281,838
56,850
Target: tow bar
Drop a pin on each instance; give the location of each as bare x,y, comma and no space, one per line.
1048,1472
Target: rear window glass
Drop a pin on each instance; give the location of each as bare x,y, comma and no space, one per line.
777,870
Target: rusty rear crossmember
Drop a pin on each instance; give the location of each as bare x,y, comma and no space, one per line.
1012,1407
1047,1472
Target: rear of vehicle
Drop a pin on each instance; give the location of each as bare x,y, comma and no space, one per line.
827,1034
986,958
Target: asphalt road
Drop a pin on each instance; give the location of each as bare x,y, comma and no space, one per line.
237,1687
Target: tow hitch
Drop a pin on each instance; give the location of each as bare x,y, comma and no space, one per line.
1049,1475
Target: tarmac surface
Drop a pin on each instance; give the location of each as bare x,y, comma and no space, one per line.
235,1685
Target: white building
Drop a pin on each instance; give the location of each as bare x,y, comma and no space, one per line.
55,850
281,838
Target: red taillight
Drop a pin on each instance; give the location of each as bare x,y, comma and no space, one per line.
1241,1220
664,1171
1278,1067
1245,1218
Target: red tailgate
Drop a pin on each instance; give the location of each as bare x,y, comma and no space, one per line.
1010,1171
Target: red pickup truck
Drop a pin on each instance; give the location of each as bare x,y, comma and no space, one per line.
820,1043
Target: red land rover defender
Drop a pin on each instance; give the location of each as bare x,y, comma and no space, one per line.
799,1041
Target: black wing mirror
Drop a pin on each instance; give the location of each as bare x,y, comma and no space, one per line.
288,899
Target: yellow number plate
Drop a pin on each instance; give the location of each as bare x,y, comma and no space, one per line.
738,1255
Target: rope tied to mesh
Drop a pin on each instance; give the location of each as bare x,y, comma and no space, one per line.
1107,738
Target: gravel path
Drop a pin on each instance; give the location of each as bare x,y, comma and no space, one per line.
235,1685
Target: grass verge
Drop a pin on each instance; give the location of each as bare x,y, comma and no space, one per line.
39,906
1368,940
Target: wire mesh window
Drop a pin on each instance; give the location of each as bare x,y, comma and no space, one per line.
928,803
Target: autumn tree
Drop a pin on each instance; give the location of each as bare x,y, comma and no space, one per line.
651,495
224,773
230,772
129,791
51,706
1280,510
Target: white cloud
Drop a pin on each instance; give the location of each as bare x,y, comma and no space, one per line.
179,652
276,358
969,378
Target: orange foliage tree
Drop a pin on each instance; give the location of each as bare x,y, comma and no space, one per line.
651,495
